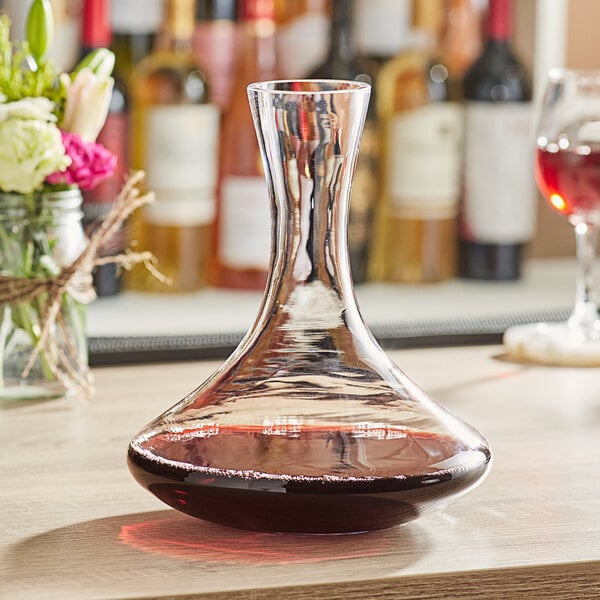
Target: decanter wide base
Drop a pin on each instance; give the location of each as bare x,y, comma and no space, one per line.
296,503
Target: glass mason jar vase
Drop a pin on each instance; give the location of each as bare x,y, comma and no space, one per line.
308,426
40,233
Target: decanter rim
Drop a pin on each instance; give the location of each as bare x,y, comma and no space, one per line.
279,86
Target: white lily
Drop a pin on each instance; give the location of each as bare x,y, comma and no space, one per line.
86,107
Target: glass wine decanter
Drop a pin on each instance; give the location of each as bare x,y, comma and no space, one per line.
308,426
568,175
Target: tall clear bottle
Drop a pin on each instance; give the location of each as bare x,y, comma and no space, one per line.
96,33
175,142
343,63
242,242
415,230
499,208
135,25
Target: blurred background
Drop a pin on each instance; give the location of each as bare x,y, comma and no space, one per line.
449,128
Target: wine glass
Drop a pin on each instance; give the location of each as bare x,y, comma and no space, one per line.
568,175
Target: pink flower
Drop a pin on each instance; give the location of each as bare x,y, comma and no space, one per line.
91,163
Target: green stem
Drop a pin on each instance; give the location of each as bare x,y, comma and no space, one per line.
4,337
10,251
25,316
29,325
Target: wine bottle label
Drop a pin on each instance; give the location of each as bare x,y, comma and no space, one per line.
499,196
382,27
113,137
313,26
424,157
136,16
245,223
181,163
215,45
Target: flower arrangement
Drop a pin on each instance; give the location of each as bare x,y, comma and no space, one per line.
49,122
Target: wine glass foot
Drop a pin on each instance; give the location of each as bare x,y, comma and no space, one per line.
553,344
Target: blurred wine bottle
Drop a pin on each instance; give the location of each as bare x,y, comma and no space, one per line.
135,24
17,11
342,62
96,33
302,36
175,136
461,42
415,235
499,208
242,243
67,24
215,46
381,28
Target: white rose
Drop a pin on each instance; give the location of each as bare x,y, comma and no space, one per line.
30,150
28,108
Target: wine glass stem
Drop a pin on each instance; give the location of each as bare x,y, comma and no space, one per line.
585,312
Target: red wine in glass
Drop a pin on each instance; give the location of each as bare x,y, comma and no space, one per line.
308,478
570,177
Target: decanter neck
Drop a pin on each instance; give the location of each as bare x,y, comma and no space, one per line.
312,211
309,142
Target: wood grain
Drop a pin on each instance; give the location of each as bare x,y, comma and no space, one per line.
74,524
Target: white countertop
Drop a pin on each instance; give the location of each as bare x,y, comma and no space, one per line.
548,284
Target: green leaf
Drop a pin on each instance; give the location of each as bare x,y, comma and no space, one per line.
40,29
28,255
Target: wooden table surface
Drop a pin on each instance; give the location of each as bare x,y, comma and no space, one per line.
74,524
